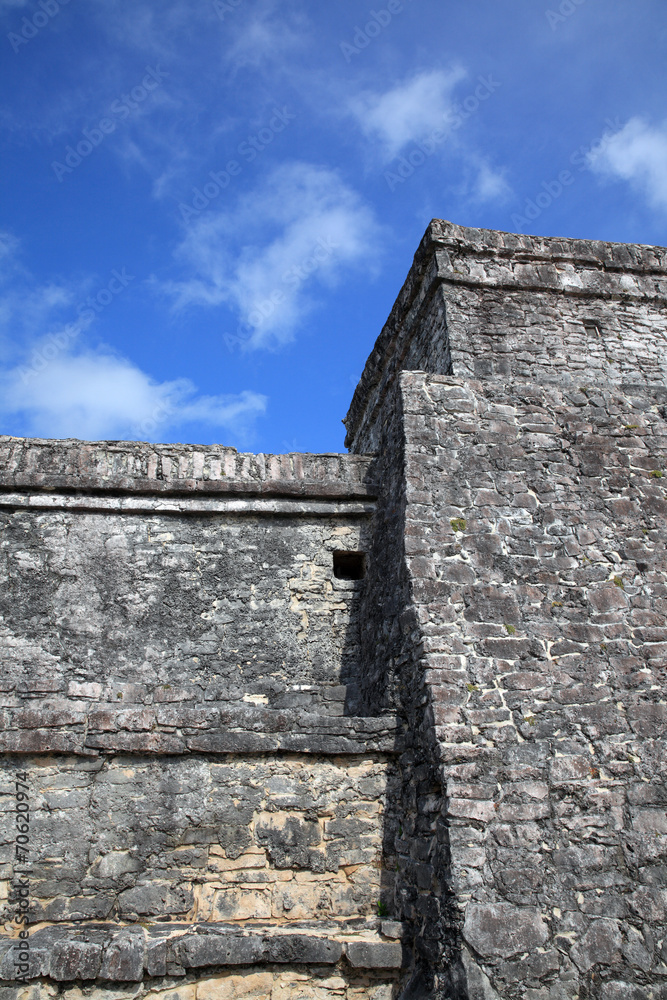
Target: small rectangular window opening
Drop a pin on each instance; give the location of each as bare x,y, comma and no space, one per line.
349,565
593,327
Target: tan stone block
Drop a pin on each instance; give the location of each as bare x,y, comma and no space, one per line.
251,986
366,877
255,878
253,858
240,904
305,878
38,991
300,902
205,898
297,987
185,992
92,993
385,991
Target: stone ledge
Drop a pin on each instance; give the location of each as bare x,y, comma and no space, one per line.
130,953
626,257
106,728
328,490
138,467
266,506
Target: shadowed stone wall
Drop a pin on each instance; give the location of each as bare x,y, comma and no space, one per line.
532,664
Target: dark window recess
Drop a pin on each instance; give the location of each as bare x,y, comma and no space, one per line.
349,565
592,326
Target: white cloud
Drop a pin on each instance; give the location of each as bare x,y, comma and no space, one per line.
638,154
490,184
102,396
408,112
313,228
53,385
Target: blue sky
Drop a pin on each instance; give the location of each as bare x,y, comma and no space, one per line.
209,207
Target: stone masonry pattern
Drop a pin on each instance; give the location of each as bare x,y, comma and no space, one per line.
379,726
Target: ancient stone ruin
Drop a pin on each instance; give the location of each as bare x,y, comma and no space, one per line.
381,725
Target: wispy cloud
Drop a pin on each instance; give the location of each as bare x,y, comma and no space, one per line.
264,34
637,154
29,310
489,185
407,112
102,396
313,228
150,29
421,118
52,384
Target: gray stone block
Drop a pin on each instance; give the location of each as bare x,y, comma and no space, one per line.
124,958
75,960
500,929
374,954
302,949
197,951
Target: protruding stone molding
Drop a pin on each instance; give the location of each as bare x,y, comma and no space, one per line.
326,490
180,470
611,257
268,507
130,953
177,730
490,273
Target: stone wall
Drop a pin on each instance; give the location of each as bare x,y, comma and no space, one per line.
479,303
528,641
179,693
178,608
538,561
393,643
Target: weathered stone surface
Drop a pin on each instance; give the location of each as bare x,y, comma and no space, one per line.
134,838
75,960
124,959
502,929
600,945
375,954
219,949
525,630
171,611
